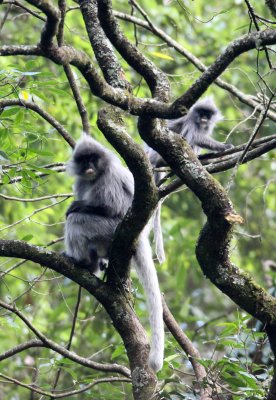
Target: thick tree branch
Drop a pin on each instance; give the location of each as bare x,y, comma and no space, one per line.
244,98
51,26
213,243
155,78
103,50
256,40
145,197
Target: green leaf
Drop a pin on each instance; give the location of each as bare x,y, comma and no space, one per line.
161,55
118,351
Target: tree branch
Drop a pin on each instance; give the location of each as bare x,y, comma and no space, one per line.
213,243
244,98
61,350
33,106
108,62
145,196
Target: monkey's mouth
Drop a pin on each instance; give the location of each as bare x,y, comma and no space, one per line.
89,172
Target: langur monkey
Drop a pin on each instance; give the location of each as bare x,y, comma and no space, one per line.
104,192
197,128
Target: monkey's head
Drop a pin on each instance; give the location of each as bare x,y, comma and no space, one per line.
205,113
90,159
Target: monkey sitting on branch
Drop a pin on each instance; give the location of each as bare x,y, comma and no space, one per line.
104,191
196,127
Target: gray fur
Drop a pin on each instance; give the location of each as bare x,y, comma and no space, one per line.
88,237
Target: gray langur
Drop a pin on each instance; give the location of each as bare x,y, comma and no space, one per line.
197,128
104,192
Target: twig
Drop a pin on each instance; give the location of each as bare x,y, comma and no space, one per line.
63,394
188,347
71,336
61,350
32,200
32,214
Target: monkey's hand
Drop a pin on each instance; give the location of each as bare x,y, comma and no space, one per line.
228,146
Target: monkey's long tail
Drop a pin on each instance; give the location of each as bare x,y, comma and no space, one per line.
148,277
158,235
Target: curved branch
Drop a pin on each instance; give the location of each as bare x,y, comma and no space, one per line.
21,347
51,26
190,350
248,42
244,98
33,106
155,78
104,53
62,350
59,395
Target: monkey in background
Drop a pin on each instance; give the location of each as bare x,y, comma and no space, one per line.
197,128
104,191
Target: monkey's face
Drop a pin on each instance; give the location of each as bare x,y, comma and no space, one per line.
87,165
203,117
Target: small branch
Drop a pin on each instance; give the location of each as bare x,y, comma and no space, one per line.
22,200
61,350
69,73
33,106
32,214
38,175
252,16
68,347
28,10
59,395
21,347
256,129
190,350
78,99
